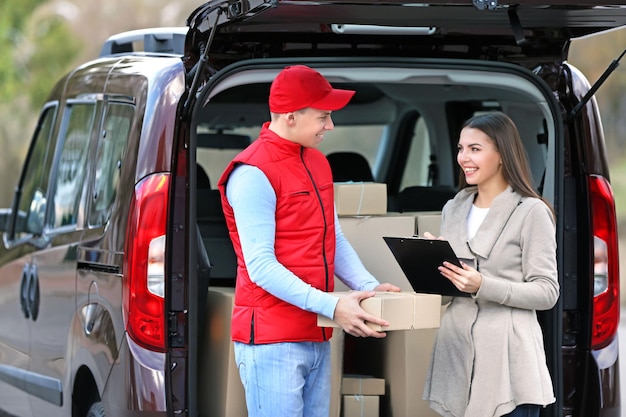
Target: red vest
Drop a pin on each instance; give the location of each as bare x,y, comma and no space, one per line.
305,240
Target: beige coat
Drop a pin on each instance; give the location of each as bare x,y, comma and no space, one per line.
488,355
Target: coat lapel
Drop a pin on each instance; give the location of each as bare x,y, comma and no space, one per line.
489,231
499,214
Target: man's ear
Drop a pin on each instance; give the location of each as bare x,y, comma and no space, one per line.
290,118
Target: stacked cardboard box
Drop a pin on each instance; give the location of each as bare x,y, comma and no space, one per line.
360,198
361,395
365,234
402,357
223,394
428,222
405,359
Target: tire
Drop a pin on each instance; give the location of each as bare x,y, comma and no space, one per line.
96,410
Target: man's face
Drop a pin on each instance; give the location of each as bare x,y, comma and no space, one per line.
309,126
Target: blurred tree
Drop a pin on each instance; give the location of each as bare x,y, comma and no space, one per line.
36,48
592,55
13,18
54,49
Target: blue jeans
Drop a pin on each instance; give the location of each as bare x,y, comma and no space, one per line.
285,379
525,410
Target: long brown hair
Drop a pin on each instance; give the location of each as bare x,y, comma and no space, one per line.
504,134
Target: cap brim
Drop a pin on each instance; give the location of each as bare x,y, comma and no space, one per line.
335,100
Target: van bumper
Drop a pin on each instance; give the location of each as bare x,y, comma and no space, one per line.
605,380
136,385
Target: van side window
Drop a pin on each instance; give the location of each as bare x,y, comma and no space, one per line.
32,204
110,154
70,178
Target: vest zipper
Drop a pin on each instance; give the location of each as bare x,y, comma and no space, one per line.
319,199
252,329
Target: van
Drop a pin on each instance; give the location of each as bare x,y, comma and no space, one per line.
116,270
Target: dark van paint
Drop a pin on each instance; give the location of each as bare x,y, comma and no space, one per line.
115,230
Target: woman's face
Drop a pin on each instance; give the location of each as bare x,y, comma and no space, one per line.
478,158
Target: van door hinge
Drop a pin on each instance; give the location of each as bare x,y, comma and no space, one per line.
203,24
516,26
485,4
175,322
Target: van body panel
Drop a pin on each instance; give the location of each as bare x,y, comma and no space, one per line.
56,275
156,86
419,70
15,346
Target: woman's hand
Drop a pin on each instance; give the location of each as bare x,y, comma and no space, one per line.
429,235
466,279
386,287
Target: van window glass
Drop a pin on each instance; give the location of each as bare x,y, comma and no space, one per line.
421,165
110,154
32,204
70,176
362,139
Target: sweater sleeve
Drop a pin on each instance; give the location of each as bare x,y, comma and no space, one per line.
539,289
253,200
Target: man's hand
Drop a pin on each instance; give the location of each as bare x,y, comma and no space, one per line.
351,317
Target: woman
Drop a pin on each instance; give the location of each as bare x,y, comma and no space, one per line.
488,357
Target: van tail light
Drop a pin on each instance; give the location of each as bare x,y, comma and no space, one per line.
144,263
606,303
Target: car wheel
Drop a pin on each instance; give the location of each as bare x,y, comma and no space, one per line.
96,410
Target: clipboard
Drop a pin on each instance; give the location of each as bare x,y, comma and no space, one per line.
419,259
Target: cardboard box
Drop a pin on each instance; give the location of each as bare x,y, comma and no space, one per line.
362,385
406,359
427,311
221,393
403,310
365,234
336,360
360,198
428,222
396,308
361,406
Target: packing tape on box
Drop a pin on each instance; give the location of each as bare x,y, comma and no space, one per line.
358,210
359,399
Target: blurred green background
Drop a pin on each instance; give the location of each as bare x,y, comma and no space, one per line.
40,40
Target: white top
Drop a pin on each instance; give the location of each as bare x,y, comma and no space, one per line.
474,219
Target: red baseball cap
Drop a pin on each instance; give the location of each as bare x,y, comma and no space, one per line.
297,87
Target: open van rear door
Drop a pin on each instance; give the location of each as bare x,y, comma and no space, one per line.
202,23
182,304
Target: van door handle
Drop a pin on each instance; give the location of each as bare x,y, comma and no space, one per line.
92,310
33,292
29,292
24,286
